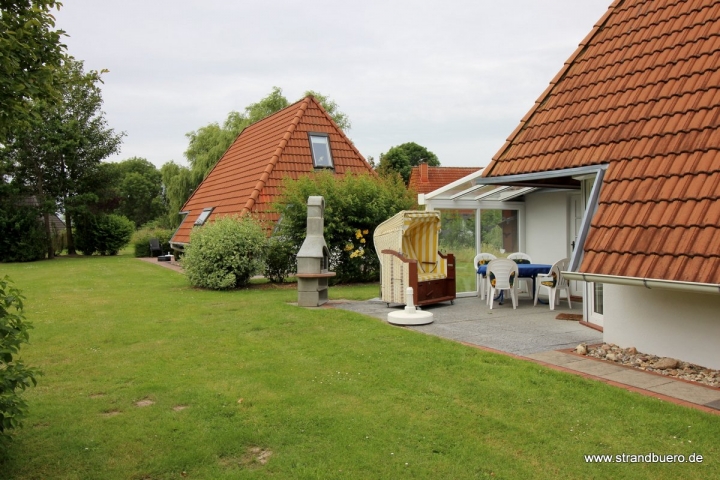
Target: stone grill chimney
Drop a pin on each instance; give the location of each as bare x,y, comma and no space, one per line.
313,259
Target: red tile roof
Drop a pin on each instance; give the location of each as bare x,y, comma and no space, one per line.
641,94
426,179
249,175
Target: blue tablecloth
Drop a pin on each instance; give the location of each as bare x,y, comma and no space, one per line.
526,270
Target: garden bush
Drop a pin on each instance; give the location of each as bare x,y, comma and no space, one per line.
141,239
225,253
103,234
280,260
22,235
354,206
14,375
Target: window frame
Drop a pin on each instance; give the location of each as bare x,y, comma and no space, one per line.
329,150
204,215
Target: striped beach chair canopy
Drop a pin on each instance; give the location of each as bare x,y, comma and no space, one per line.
413,233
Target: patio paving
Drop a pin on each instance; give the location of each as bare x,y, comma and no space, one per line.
534,334
523,331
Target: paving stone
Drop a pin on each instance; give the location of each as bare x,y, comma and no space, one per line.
688,392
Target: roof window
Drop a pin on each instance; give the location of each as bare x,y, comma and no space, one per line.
204,216
320,147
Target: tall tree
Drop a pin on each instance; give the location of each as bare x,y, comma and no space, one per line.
58,155
403,157
177,188
31,53
139,188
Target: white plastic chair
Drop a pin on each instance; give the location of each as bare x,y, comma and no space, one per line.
505,277
523,256
554,282
482,280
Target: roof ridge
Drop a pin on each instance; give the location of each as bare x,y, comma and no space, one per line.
231,145
342,133
276,154
559,76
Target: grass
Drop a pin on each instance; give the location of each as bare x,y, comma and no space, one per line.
246,385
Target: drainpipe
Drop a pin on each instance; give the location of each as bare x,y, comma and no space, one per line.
650,283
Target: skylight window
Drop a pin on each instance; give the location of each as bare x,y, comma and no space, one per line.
204,216
320,147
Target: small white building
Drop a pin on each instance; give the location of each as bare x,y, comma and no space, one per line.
617,167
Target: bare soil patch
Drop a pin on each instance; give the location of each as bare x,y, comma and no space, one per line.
144,403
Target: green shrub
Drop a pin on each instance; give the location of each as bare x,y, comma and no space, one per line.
22,236
354,206
280,260
225,253
14,375
141,239
103,234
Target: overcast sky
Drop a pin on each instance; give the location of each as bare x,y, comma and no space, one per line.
455,76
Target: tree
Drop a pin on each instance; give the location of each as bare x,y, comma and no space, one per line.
139,187
57,156
31,54
177,188
403,157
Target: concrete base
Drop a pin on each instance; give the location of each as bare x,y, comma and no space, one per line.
409,318
312,292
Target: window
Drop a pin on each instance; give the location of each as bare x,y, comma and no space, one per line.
204,216
320,147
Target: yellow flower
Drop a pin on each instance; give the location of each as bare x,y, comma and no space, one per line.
365,232
349,247
362,240
358,234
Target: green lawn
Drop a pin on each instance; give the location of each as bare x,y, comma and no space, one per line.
246,385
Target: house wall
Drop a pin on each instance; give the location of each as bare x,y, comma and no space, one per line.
546,226
667,323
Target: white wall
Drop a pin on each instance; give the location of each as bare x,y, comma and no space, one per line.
546,224
667,323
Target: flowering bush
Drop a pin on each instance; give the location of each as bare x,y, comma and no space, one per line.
225,253
354,206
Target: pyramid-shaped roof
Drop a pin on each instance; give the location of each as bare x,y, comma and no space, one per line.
248,177
641,94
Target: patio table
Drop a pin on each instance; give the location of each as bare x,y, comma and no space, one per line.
525,270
